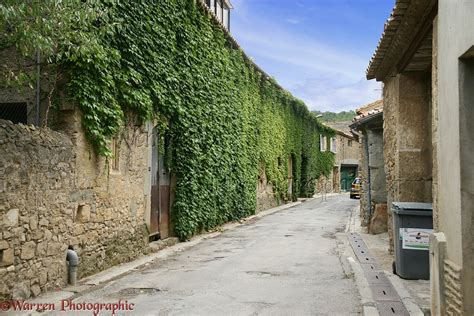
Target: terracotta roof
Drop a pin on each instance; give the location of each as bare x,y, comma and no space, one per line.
368,110
371,106
342,128
402,26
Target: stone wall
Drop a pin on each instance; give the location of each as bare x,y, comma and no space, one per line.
113,201
390,113
452,286
376,165
415,144
378,194
55,193
37,176
364,197
326,184
348,150
265,195
407,139
374,160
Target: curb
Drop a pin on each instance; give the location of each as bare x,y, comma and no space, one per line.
367,299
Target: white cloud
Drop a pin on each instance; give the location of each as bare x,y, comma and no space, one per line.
293,20
289,49
325,94
326,77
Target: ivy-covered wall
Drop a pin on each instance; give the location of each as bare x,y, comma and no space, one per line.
170,61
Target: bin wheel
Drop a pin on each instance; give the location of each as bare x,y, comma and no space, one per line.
394,268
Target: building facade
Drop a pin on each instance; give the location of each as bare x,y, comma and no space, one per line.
425,59
346,147
221,9
373,200
58,194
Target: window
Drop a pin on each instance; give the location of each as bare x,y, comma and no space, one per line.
349,142
115,154
323,143
219,10
225,18
333,144
212,5
15,112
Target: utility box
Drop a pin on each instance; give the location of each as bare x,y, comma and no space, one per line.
413,225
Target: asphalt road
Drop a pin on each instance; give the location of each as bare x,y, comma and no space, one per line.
286,263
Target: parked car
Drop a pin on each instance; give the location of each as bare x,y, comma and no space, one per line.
355,189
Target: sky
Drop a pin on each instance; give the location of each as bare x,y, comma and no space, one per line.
317,49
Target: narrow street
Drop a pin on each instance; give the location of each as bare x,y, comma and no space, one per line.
283,264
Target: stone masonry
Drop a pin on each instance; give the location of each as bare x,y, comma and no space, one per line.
347,153
55,193
407,139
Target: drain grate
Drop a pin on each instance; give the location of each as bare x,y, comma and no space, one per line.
370,267
384,292
376,277
387,299
392,308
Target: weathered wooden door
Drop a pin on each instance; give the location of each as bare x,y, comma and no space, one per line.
160,190
155,189
164,181
290,176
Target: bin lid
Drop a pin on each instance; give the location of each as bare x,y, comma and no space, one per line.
412,208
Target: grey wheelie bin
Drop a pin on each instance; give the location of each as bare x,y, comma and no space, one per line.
412,224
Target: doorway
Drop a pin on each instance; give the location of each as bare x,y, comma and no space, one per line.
160,189
348,175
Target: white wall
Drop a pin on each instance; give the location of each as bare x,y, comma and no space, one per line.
455,37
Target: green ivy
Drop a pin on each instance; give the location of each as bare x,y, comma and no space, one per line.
169,60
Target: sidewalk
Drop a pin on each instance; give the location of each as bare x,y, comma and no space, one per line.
415,294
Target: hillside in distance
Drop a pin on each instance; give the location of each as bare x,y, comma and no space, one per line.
336,117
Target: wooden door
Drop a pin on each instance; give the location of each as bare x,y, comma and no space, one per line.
155,189
290,177
164,181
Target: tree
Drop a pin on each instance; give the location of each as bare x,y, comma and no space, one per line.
56,35
336,117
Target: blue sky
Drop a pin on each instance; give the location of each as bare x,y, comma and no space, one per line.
317,49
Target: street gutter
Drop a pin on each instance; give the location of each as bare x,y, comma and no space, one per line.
369,304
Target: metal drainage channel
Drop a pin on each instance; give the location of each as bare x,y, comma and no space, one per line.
387,299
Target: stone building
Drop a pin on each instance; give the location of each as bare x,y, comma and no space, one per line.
425,59
373,199
346,147
57,193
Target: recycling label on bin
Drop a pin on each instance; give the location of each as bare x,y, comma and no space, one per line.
415,238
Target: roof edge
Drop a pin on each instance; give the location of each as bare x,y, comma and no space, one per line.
400,29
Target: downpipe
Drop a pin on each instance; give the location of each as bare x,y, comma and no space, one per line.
73,262
369,184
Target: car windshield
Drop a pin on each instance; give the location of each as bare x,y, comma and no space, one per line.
356,181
